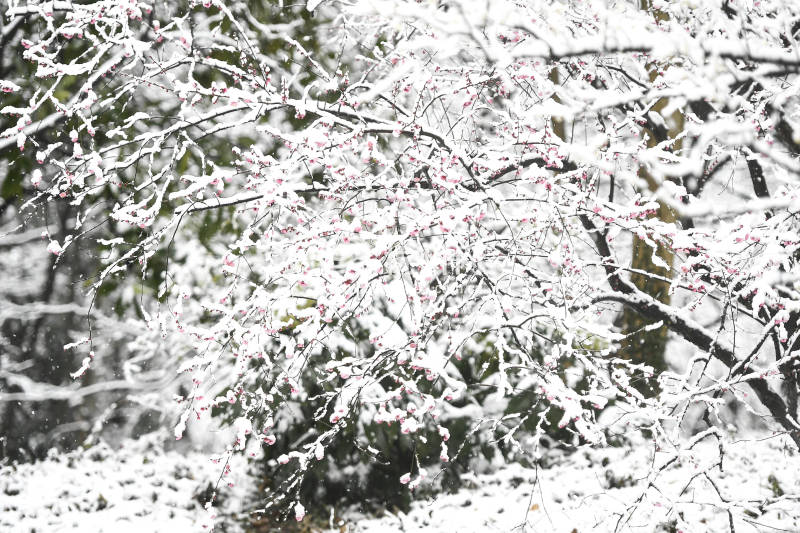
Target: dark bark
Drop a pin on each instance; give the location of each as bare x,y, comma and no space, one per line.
696,335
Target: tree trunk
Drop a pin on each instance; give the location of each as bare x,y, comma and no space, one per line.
644,344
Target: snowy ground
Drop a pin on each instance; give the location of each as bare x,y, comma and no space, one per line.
134,489
116,491
600,490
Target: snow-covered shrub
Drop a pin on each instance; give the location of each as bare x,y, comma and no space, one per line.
385,445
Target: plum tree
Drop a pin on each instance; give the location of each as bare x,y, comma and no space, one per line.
395,211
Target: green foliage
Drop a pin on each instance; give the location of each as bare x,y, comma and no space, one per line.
775,486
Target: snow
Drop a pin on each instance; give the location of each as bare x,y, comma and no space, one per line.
426,208
125,490
597,490
138,488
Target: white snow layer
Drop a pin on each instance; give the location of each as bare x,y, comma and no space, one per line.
118,491
611,489
593,490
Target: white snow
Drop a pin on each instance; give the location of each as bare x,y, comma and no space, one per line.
117,491
579,493
138,489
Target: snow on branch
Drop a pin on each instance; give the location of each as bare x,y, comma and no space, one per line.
447,208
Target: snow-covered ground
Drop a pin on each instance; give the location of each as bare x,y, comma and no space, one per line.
141,489
606,489
133,489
